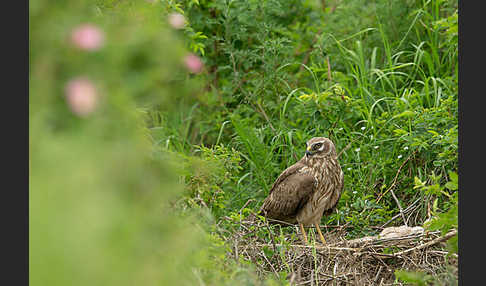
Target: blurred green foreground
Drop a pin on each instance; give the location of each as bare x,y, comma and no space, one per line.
98,202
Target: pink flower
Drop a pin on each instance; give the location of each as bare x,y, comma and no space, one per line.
81,96
87,37
177,21
193,63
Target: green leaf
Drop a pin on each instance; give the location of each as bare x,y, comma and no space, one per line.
453,181
406,113
452,244
451,186
268,251
453,176
435,205
418,183
414,277
399,132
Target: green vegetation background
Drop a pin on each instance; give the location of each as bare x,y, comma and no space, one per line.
132,194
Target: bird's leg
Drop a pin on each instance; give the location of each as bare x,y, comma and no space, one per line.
320,233
303,233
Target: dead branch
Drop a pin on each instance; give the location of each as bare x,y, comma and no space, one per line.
409,208
432,242
399,206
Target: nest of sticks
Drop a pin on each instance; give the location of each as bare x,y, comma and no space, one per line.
370,260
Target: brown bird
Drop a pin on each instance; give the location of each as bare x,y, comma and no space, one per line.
307,190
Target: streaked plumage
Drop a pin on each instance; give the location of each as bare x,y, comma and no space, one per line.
307,190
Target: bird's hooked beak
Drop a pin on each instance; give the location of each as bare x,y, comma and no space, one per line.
308,152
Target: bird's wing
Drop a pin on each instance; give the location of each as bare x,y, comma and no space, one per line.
336,195
286,173
288,195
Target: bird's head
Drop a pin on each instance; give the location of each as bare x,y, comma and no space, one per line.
320,147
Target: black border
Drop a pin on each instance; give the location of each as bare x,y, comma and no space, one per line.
471,119
15,141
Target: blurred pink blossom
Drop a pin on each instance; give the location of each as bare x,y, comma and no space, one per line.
177,20
193,63
81,96
87,37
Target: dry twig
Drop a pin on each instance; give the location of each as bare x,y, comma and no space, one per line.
432,242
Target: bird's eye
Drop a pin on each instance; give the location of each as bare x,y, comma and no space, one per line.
317,146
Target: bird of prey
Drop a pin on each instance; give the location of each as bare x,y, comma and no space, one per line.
307,190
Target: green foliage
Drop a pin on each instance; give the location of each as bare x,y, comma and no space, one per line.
441,220
444,220
210,177
414,278
97,200
422,278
